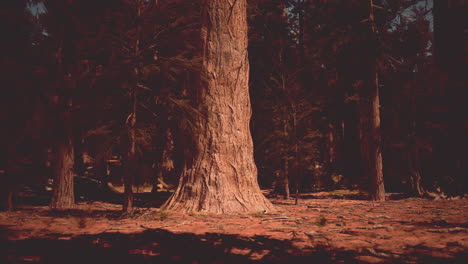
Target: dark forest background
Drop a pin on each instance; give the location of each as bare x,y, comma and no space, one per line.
102,86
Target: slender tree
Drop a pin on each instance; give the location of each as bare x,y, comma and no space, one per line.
219,174
130,164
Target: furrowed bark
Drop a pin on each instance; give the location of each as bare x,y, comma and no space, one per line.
219,174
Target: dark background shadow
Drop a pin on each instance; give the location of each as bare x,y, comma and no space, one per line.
88,192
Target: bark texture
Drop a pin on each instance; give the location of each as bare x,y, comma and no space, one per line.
369,119
371,140
63,196
219,174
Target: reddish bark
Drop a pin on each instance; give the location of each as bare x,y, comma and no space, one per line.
219,174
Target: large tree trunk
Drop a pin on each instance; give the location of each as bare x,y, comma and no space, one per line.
219,174
370,138
369,120
63,196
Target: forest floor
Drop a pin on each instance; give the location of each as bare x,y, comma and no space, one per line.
326,227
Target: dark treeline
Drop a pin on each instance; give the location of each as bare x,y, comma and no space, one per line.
345,94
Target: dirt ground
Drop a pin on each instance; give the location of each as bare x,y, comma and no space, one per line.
323,228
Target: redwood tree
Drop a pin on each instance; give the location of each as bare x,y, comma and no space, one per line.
363,52
59,24
63,196
369,106
219,174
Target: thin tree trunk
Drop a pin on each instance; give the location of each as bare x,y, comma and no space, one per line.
129,170
293,107
219,174
413,155
296,156
331,156
285,181
130,163
286,167
128,180
415,176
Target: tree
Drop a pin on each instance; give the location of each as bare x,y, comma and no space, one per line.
67,40
219,174
64,33
369,118
130,165
358,70
63,196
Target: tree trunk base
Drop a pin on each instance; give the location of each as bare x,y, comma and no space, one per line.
219,202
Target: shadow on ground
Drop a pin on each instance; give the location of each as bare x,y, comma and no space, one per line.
337,195
142,200
162,246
